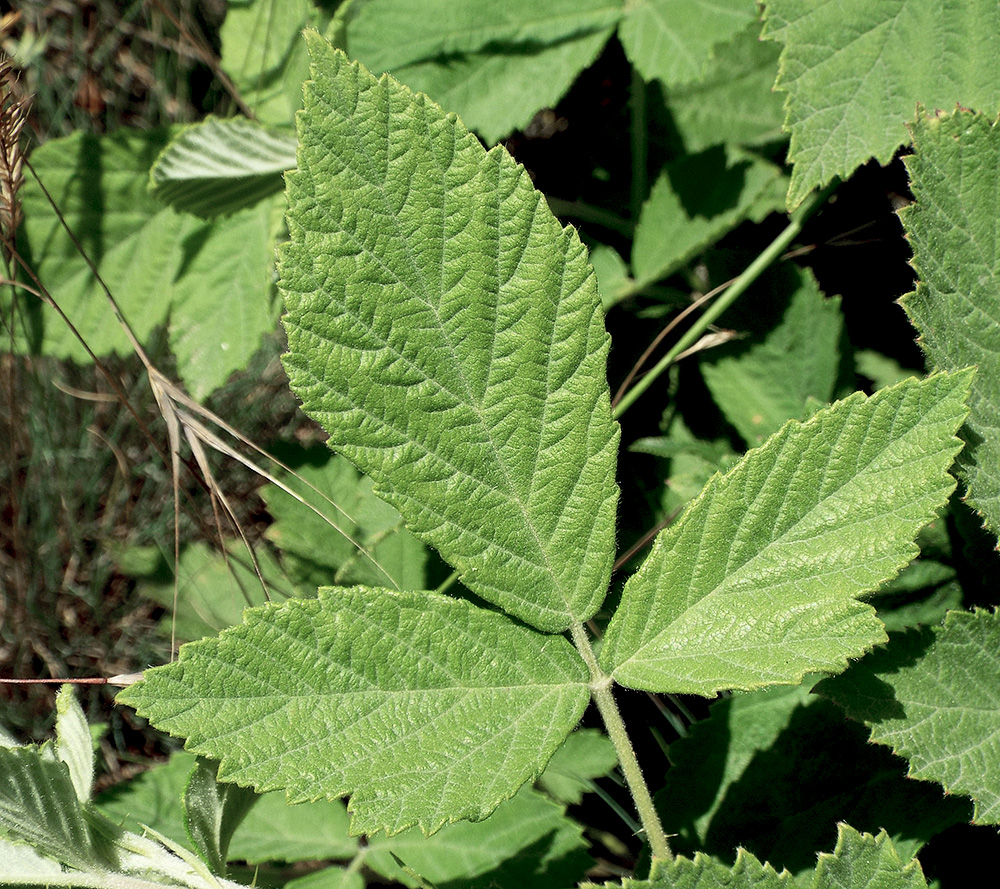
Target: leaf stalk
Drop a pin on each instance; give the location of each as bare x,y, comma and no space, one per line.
601,692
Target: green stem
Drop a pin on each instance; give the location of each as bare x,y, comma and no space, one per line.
731,294
600,690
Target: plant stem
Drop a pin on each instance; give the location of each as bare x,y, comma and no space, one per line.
600,689
732,293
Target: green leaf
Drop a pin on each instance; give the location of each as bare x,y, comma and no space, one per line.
705,872
855,71
212,812
74,746
424,709
213,589
529,826
318,555
863,861
393,33
330,878
756,584
217,167
447,332
612,274
791,355
497,91
952,228
673,39
207,278
860,861
694,202
152,798
23,864
271,831
223,297
586,755
276,831
262,51
932,696
733,102
39,806
494,63
741,778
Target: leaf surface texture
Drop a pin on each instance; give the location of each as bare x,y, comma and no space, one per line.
856,71
756,583
952,226
447,332
424,709
932,696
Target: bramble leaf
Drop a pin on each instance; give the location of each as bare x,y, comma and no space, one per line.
860,861
447,332
424,709
394,33
213,281
695,201
733,102
955,176
271,831
494,62
740,779
528,834
39,806
756,584
371,547
673,39
932,695
497,91
856,71
263,53
791,354
216,167
74,745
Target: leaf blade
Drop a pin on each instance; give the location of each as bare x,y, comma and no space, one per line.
953,174
931,695
457,354
855,72
423,708
750,587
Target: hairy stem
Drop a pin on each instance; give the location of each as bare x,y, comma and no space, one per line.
739,286
600,689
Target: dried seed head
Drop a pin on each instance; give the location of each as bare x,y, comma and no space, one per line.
13,113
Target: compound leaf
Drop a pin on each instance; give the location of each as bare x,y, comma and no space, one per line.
932,696
446,331
955,177
756,584
855,72
425,709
